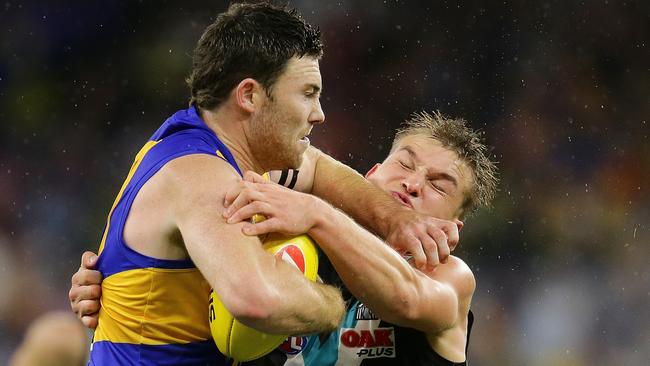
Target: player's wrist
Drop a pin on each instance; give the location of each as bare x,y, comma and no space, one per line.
322,216
385,218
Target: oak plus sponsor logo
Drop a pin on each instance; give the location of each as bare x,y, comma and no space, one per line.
293,345
369,343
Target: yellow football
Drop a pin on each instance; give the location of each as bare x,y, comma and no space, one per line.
242,343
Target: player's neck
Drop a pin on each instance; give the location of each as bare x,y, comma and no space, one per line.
227,125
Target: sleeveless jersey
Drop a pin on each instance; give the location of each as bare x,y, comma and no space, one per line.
361,339
154,311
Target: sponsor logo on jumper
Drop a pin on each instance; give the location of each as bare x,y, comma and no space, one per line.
371,343
293,345
363,313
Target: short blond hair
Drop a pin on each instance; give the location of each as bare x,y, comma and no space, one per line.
455,135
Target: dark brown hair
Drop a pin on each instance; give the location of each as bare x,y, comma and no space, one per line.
248,40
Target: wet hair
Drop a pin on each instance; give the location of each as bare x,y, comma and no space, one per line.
249,40
455,135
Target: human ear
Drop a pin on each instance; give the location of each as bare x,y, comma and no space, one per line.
372,170
246,94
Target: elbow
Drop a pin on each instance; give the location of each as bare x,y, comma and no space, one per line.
254,305
404,306
418,311
400,308
250,297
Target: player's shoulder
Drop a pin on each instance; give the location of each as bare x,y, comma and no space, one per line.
191,163
200,172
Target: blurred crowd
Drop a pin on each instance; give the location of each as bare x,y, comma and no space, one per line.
561,90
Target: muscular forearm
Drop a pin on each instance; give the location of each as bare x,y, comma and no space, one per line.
294,306
320,310
349,191
371,270
255,286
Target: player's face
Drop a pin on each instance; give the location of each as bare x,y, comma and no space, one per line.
279,131
423,175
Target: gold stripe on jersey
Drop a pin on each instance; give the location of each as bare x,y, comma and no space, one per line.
154,306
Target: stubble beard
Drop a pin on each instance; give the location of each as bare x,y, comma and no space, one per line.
271,144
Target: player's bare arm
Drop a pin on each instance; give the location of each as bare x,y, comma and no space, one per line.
277,298
301,179
429,302
426,238
85,290
368,267
429,240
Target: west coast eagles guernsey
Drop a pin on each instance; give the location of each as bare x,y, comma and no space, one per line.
154,311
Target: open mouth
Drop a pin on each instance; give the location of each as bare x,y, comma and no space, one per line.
303,142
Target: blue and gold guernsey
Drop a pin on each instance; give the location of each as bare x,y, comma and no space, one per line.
154,311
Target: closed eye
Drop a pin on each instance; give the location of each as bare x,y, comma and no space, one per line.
437,187
313,91
405,165
312,95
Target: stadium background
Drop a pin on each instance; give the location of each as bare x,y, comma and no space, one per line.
560,88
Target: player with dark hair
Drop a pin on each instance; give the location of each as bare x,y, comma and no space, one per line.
255,87
248,40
